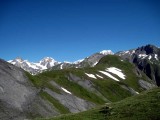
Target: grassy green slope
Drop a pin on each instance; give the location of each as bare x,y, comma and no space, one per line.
145,106
112,89
127,68
60,77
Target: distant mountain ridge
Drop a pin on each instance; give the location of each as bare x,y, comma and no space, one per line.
48,62
34,68
149,52
146,58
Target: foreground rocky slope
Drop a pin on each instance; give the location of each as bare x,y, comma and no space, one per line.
15,91
19,99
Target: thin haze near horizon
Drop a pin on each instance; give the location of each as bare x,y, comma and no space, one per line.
68,30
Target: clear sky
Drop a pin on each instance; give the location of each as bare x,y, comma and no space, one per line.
68,30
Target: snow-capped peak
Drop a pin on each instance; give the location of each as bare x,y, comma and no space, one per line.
18,59
48,59
48,62
32,67
106,52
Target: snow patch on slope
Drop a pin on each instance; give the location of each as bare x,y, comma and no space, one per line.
109,75
91,75
94,64
99,76
61,66
66,90
116,71
142,56
149,57
155,56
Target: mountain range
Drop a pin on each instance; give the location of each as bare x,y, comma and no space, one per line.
48,62
50,88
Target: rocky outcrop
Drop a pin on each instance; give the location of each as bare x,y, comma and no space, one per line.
43,108
73,103
146,85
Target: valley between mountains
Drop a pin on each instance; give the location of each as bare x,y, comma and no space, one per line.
102,85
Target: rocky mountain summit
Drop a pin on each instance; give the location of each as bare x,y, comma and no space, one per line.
146,58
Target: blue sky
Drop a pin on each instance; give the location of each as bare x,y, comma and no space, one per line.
68,30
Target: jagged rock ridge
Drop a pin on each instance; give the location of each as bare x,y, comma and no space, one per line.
146,58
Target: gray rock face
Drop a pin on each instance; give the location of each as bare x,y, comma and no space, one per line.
15,91
146,85
73,103
43,108
131,90
18,98
93,59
